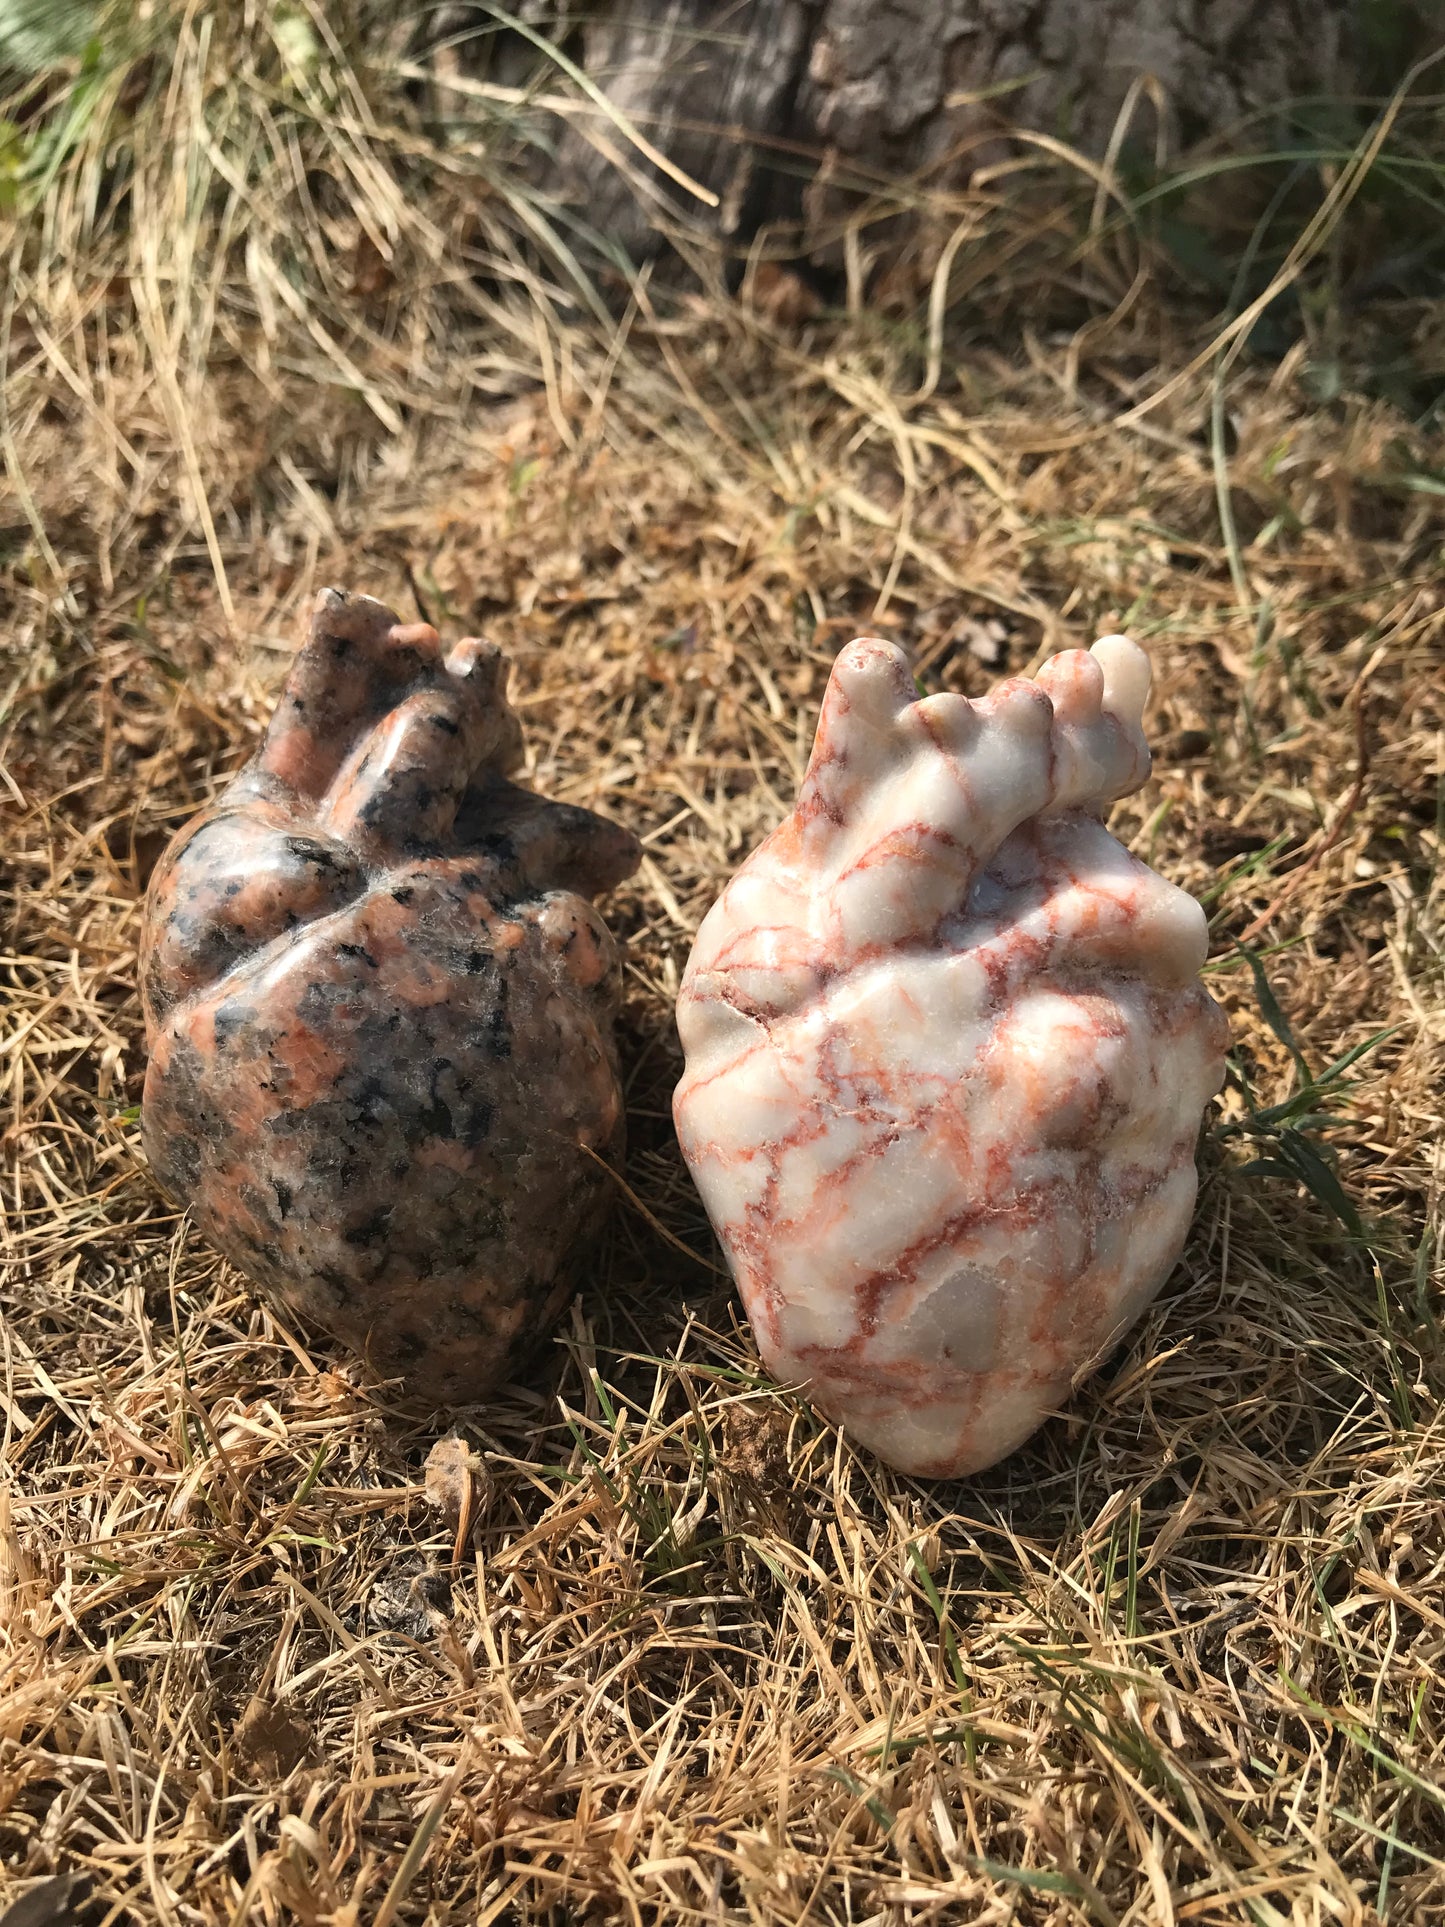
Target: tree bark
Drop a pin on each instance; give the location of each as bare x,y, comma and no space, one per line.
792,111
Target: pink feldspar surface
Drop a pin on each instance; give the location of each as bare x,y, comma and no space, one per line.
947,1057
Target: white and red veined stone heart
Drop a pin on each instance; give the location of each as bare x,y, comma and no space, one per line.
947,1057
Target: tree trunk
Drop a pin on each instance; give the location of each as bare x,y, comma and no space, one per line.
793,111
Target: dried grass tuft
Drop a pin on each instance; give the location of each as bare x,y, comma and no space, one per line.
643,1640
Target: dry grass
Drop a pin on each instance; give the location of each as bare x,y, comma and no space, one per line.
654,1645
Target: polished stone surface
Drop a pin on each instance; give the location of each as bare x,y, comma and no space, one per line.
947,1057
380,1005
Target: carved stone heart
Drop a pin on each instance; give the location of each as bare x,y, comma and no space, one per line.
947,1054
379,1006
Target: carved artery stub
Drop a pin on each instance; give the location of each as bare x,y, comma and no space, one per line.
379,1007
947,1055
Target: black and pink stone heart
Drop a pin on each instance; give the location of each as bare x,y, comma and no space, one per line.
380,1007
